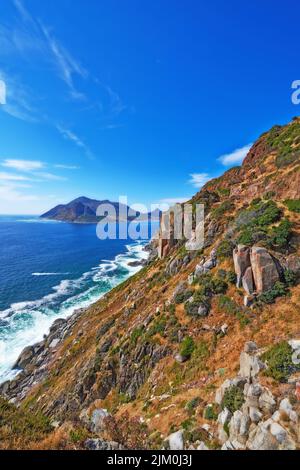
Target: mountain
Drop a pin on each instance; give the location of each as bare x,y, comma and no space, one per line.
200,349
83,210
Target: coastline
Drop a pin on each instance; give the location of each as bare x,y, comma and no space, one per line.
70,314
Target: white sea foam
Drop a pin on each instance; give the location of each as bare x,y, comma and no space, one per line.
49,274
25,323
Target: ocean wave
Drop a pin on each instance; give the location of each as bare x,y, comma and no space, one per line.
49,274
25,323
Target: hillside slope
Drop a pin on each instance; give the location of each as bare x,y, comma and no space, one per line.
199,349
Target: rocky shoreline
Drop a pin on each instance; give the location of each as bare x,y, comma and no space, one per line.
34,360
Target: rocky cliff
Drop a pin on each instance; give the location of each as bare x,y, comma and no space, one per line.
200,349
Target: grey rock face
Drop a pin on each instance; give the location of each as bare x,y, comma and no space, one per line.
100,444
241,259
264,269
248,282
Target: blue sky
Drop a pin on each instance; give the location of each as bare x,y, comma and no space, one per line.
137,98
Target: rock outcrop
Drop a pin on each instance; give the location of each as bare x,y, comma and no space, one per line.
256,269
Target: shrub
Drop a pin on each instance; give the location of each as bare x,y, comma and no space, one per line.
231,277
158,327
211,413
293,205
135,335
233,399
269,297
222,209
290,278
192,404
129,432
183,296
279,362
18,424
225,249
187,347
232,308
280,236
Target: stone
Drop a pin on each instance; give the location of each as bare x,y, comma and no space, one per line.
278,432
239,426
248,282
233,445
250,347
54,343
224,417
261,439
98,420
254,414
25,358
241,259
175,441
250,365
203,310
287,408
100,444
295,344
248,300
297,391
264,269
180,289
267,402
179,358
202,446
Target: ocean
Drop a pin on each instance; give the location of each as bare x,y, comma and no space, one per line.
47,271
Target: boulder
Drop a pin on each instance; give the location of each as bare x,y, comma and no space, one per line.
25,358
202,446
248,282
261,439
98,420
176,441
100,444
250,365
264,269
239,427
241,259
267,402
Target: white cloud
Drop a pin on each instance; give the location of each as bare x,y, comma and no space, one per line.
67,167
23,165
50,176
70,135
236,157
11,177
174,200
199,179
15,201
18,99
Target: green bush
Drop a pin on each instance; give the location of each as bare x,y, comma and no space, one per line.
192,404
231,277
233,399
135,335
230,307
187,347
18,423
293,205
280,236
279,362
290,278
225,249
183,296
222,209
269,297
211,413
